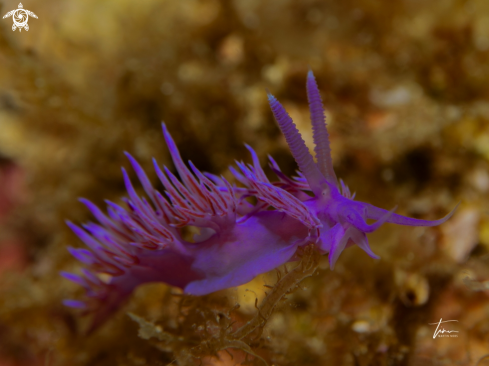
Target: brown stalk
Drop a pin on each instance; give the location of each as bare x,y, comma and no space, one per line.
306,268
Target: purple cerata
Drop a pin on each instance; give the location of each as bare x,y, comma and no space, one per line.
238,240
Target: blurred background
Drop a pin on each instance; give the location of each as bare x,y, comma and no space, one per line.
405,85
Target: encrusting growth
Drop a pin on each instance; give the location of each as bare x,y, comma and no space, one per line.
238,240
218,327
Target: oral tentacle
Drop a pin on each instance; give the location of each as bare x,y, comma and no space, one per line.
361,240
376,213
355,219
338,246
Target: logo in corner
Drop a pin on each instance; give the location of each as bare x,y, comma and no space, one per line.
442,332
20,17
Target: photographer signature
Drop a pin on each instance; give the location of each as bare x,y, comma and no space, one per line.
440,332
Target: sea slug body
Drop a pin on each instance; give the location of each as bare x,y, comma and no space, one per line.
238,240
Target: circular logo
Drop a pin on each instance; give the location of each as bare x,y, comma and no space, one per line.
20,18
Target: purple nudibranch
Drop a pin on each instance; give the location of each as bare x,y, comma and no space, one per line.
237,240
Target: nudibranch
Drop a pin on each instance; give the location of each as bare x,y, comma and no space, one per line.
238,240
